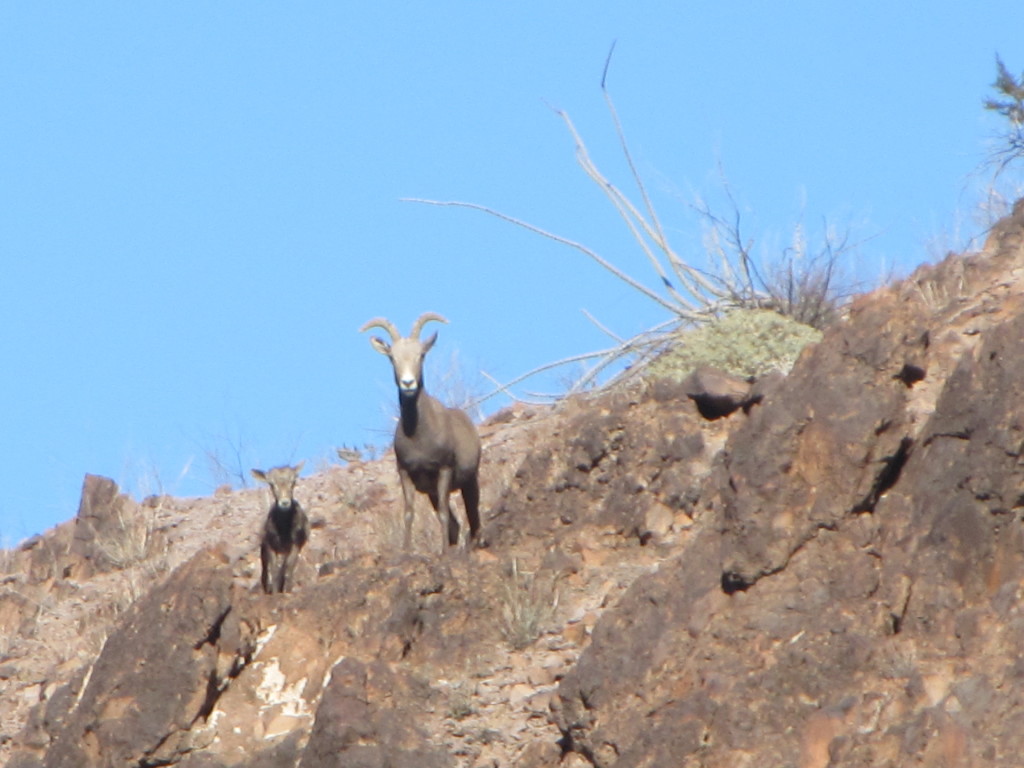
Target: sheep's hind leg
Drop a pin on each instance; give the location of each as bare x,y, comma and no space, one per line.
471,501
443,506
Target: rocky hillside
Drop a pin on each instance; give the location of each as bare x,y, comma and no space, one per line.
823,570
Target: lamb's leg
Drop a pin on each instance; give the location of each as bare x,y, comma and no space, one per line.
267,561
409,496
288,569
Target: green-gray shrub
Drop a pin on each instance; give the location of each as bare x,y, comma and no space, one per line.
746,342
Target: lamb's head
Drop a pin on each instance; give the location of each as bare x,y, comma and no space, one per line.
282,483
405,352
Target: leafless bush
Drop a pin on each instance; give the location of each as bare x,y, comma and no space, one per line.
528,605
349,455
801,284
805,282
8,555
353,454
228,458
128,544
456,387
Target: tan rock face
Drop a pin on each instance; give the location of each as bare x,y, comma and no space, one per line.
826,573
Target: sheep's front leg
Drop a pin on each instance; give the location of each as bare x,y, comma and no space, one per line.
444,507
271,566
290,560
409,496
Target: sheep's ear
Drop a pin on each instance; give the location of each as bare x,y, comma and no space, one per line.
258,474
429,343
299,466
380,345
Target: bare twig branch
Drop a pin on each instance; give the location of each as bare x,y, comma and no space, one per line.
692,281
632,282
539,369
504,389
602,327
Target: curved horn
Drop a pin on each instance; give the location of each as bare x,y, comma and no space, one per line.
422,320
380,322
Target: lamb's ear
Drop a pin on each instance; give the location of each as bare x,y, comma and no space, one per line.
258,474
299,466
380,345
429,343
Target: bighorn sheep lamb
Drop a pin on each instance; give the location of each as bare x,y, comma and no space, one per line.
437,448
285,532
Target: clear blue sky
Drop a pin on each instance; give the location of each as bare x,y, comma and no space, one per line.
200,202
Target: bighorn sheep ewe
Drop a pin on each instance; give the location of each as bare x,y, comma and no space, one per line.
285,532
437,448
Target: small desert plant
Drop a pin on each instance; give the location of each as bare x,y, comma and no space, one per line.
8,555
805,283
228,458
130,542
454,386
349,455
1010,104
460,704
898,663
353,454
528,604
388,529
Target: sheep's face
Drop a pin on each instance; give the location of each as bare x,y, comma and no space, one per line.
406,357
282,483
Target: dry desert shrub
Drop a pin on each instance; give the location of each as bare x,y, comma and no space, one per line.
528,604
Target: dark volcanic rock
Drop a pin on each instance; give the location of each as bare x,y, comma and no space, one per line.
820,448
620,463
157,676
207,672
365,721
853,598
716,393
109,529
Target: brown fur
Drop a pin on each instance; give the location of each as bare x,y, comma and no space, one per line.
285,531
437,448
